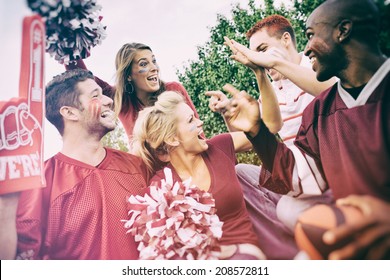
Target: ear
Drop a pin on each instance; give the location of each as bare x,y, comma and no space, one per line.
344,30
286,39
173,142
69,113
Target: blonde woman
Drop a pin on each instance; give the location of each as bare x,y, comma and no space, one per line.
169,131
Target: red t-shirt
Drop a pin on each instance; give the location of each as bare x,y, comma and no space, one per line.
229,200
78,215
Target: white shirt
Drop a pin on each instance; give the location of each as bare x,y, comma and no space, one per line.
292,101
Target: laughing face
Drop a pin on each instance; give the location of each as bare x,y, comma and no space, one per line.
189,130
326,54
261,42
145,72
96,113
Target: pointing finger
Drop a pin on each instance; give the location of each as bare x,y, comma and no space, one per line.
230,89
218,94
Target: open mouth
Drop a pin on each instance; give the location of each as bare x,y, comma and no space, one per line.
201,135
107,114
313,61
153,79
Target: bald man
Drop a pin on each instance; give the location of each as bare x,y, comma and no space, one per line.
345,131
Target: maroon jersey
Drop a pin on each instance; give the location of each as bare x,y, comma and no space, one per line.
78,215
226,190
343,144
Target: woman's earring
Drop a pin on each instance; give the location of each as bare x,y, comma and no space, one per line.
131,88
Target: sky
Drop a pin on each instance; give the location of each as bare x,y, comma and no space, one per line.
172,28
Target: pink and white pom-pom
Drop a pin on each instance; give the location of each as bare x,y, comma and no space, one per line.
175,221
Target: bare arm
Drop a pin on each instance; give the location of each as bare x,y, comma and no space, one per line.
8,235
269,102
303,77
241,142
270,109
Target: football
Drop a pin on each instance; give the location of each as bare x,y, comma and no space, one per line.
315,221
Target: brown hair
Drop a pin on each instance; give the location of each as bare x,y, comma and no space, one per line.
62,91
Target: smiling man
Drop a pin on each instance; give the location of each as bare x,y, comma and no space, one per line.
294,85
78,215
345,131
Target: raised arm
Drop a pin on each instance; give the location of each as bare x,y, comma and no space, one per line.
8,235
303,77
219,102
270,110
241,142
269,103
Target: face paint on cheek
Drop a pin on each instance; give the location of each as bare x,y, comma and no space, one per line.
143,70
95,108
193,128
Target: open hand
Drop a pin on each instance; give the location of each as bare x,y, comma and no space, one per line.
239,56
266,59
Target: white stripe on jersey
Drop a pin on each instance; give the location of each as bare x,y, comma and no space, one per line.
306,180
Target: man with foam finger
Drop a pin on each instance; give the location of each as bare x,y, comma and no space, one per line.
78,215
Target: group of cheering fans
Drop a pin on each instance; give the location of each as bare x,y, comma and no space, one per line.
329,105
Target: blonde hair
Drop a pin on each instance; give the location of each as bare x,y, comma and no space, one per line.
153,129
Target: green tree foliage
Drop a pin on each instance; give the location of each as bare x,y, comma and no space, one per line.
384,7
214,68
117,139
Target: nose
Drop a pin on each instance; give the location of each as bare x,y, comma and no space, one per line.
200,122
307,49
155,67
107,101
